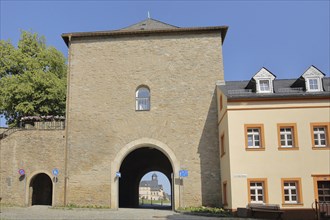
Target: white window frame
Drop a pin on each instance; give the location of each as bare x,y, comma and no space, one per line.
284,136
290,187
254,191
253,133
318,83
317,136
263,89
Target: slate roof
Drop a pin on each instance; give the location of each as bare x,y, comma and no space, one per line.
153,184
148,26
282,89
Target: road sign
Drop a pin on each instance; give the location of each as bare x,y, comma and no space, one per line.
55,179
55,171
183,173
21,172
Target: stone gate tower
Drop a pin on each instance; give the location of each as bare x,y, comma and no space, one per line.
142,98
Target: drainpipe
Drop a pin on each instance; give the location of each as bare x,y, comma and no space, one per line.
66,152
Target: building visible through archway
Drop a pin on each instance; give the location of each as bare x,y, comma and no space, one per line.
41,187
153,191
133,168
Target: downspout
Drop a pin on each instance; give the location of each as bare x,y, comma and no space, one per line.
66,177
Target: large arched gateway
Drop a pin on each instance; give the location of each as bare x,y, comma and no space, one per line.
134,166
133,161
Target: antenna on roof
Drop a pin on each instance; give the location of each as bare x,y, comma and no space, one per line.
148,14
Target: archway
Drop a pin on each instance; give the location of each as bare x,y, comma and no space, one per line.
134,166
41,187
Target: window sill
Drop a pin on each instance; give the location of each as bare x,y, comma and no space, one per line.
288,148
321,148
255,149
292,204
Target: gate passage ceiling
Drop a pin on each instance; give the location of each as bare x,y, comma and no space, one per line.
134,167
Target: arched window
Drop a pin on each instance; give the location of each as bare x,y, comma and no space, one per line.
142,99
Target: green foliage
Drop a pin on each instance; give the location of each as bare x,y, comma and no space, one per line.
32,78
71,206
207,210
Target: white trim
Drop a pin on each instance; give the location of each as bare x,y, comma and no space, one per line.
318,83
260,88
290,194
254,188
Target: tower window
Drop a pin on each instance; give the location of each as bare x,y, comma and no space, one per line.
142,99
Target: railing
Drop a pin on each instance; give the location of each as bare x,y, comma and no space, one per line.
239,91
322,210
8,132
49,125
291,90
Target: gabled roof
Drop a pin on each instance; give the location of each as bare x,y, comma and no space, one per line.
263,72
283,88
149,24
147,27
154,186
312,70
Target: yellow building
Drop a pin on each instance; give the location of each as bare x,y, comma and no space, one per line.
274,141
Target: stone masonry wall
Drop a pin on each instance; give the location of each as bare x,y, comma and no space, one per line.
181,72
35,151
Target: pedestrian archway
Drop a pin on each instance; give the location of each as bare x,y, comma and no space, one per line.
41,190
135,165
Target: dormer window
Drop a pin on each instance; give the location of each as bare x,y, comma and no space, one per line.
262,81
313,85
264,85
313,79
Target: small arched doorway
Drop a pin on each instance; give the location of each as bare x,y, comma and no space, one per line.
41,190
135,165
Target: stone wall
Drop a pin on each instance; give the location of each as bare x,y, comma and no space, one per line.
35,151
181,72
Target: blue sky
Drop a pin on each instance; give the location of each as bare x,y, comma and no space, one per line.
286,37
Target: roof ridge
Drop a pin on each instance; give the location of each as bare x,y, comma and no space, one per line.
149,24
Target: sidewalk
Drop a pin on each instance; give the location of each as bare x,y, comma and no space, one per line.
47,213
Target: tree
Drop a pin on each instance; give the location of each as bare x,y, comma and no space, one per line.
32,79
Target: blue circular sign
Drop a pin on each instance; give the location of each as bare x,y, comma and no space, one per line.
21,172
55,171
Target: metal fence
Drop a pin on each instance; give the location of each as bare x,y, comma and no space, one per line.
322,210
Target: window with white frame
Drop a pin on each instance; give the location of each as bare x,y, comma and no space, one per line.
253,138
286,137
264,85
290,192
257,192
313,84
142,99
320,139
